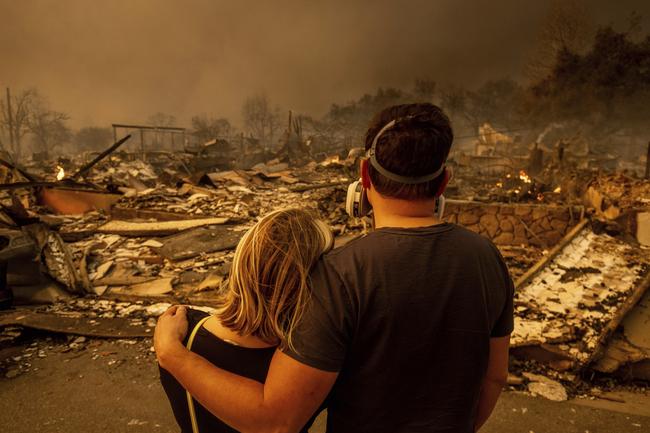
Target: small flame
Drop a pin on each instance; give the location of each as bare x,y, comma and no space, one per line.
557,190
499,184
523,176
61,173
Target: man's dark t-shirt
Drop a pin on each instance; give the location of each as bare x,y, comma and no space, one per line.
406,316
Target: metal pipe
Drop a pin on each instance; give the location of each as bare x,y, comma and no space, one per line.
99,157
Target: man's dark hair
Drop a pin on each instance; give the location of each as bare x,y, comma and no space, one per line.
417,145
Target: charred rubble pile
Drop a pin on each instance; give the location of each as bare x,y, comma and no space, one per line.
149,235
100,247
577,224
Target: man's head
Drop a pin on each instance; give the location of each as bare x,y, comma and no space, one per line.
416,145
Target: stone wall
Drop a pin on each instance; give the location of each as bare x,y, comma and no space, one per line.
514,224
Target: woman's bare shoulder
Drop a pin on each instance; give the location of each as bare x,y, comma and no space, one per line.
213,326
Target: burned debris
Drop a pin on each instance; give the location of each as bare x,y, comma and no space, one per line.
103,251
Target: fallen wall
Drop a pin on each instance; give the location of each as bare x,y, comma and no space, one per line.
514,224
570,307
628,352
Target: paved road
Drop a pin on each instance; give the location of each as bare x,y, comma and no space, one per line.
112,386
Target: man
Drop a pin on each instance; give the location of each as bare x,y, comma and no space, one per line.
408,326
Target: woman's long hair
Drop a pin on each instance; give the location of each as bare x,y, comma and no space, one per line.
268,286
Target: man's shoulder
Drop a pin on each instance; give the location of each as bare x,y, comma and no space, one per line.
379,246
470,243
352,254
470,237
368,243
350,247
332,268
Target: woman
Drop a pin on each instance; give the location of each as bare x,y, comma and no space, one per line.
266,293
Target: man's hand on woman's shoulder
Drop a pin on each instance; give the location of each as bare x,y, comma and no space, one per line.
170,332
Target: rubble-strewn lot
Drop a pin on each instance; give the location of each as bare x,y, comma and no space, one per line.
101,255
582,291
67,384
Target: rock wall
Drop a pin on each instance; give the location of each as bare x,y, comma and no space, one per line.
643,228
514,224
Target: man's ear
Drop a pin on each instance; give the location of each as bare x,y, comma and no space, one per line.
365,176
445,182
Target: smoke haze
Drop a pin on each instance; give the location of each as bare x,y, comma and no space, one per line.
121,61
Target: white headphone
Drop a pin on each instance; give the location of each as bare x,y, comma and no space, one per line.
356,202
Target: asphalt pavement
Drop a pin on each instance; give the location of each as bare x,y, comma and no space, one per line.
112,386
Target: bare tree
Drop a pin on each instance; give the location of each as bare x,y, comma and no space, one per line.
15,114
262,120
207,128
92,138
454,100
47,126
158,120
567,27
424,89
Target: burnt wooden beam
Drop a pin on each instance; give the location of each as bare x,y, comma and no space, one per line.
83,170
23,172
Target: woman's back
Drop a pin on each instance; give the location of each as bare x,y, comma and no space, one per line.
261,305
248,362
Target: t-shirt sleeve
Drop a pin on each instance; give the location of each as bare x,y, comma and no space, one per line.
504,324
322,337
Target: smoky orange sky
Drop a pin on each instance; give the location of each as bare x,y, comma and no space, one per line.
121,61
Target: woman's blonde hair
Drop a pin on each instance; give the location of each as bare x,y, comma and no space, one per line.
268,285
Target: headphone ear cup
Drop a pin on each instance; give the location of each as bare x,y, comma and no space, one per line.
356,201
351,200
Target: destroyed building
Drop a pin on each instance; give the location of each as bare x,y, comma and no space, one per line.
99,247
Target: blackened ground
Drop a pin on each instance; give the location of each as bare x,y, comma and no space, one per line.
69,384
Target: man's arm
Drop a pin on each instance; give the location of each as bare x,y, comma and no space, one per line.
495,379
290,396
